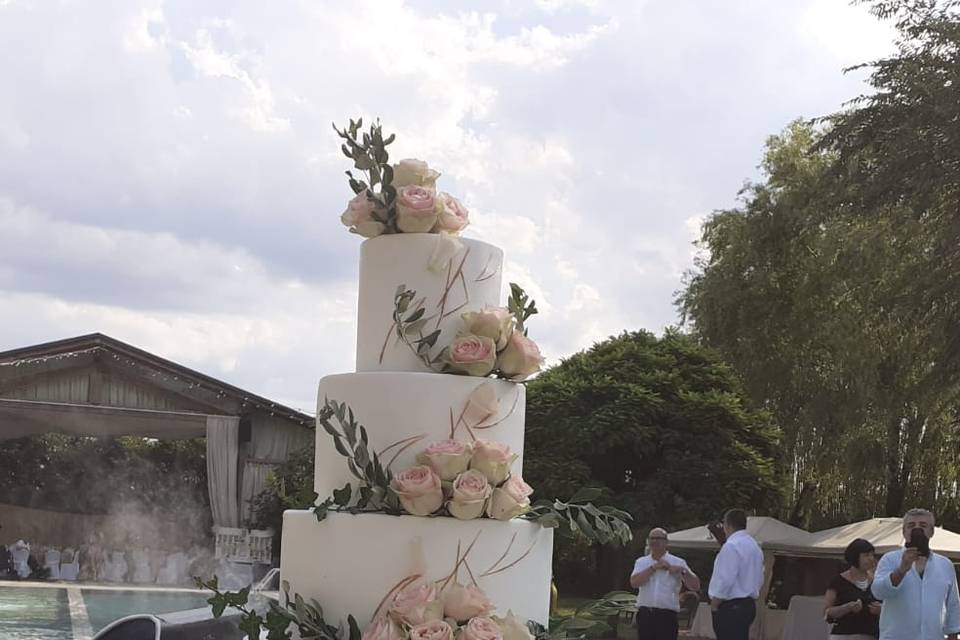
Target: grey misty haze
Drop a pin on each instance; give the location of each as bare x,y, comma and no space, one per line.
168,174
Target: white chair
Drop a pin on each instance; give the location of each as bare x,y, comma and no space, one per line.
20,552
70,565
51,560
175,569
804,620
115,569
234,575
142,573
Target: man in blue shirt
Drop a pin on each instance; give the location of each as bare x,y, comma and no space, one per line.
918,587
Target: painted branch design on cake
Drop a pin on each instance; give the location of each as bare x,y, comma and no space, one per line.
449,257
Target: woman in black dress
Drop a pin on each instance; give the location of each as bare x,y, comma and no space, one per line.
848,604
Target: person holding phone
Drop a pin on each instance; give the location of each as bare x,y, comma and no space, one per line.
849,604
918,587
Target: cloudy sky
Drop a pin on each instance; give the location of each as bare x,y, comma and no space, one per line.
169,176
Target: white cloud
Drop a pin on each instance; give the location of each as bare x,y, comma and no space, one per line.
168,174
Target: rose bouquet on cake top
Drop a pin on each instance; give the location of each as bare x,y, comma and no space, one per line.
394,198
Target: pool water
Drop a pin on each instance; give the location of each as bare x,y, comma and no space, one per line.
41,613
34,614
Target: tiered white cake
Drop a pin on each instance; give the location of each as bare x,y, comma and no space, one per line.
348,562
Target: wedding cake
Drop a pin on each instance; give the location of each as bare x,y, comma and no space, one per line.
421,448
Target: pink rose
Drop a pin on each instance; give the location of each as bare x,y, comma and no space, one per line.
510,500
414,172
470,492
435,630
416,603
493,460
513,628
521,357
383,628
492,322
454,217
419,490
359,216
473,355
481,628
462,603
448,458
416,209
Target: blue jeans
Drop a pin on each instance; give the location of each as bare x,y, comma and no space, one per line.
732,619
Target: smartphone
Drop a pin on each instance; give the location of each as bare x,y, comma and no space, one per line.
920,541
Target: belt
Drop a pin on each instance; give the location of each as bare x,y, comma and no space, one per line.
734,601
653,609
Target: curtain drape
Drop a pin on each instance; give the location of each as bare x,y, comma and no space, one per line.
222,450
254,480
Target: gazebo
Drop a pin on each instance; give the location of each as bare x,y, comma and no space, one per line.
95,385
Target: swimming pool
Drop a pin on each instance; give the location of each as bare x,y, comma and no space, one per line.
55,612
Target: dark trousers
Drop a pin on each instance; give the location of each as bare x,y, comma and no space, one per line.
732,619
656,624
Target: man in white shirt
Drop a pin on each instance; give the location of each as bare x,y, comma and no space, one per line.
736,580
918,587
658,577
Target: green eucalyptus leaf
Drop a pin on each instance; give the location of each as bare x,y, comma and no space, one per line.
341,497
340,447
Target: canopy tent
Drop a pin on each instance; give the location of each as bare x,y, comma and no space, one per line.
98,386
883,533
763,529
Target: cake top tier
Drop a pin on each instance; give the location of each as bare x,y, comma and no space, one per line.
449,277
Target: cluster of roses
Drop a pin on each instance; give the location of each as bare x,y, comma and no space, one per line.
469,479
490,343
418,208
421,611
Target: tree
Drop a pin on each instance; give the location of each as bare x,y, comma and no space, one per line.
897,154
661,425
835,289
809,300
95,475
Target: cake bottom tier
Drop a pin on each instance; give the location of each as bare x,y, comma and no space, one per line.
349,563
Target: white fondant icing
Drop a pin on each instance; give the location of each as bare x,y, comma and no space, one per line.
396,406
348,563
468,280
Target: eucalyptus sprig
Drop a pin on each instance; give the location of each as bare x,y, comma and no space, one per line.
351,441
521,306
410,320
579,517
590,619
369,155
306,617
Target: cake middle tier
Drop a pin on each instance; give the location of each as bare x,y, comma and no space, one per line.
400,408
450,276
